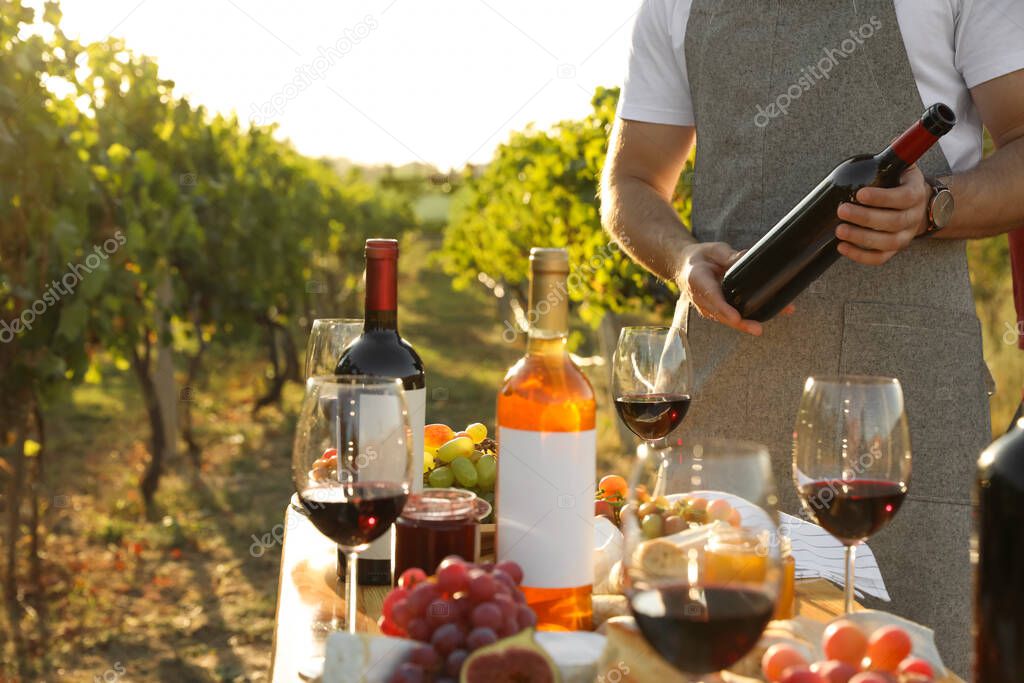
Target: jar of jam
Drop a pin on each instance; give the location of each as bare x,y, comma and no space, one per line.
437,523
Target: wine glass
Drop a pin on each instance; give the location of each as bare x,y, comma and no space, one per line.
352,463
652,380
851,458
701,563
327,339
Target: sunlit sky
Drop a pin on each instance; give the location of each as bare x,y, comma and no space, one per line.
389,81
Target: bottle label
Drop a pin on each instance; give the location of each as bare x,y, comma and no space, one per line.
416,402
545,502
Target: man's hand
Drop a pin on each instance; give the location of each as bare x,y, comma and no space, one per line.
700,280
886,220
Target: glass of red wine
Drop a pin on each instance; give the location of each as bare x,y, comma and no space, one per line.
851,458
651,380
327,339
352,463
701,563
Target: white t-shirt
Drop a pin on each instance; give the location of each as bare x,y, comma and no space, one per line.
953,45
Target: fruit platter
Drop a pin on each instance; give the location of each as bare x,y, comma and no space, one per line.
465,459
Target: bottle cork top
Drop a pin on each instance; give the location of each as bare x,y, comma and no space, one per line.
549,260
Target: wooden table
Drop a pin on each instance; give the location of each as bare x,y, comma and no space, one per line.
308,593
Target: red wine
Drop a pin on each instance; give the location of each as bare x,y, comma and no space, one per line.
354,514
802,245
652,416
701,630
999,573
852,510
381,352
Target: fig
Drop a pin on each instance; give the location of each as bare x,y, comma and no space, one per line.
517,658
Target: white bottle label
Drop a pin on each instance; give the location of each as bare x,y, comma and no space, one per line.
416,402
545,505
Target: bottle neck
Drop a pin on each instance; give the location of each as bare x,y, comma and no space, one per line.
548,315
906,149
381,309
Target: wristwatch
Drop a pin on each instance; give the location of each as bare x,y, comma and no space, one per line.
940,207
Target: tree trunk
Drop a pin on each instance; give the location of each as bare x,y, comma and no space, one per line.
15,486
188,395
158,438
163,373
35,526
277,378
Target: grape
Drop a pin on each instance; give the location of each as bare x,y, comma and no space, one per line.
441,477
486,472
441,611
843,640
653,526
834,671
487,566
477,432
400,615
887,647
453,665
505,580
396,596
519,597
410,577
479,637
778,658
506,604
418,629
463,605
420,597
481,585
465,471
509,628
916,665
673,525
453,578
514,571
489,615
460,446
450,559
800,674
388,627
446,638
525,617
408,673
426,657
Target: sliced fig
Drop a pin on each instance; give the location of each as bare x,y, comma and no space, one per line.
516,659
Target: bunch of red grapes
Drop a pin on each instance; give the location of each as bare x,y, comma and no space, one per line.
464,607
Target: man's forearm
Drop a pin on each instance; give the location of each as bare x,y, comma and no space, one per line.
645,224
990,197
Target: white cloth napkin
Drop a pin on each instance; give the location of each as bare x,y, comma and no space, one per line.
819,554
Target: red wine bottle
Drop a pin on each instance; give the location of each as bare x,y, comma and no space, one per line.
999,557
381,352
803,244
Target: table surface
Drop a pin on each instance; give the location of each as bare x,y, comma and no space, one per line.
308,594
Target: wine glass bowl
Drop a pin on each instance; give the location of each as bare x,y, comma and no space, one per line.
352,464
328,337
652,380
702,581
851,457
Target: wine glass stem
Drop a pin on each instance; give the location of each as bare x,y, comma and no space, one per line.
851,554
351,590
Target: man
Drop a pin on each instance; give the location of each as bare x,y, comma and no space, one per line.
776,94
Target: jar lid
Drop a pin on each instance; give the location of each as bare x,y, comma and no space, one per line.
441,504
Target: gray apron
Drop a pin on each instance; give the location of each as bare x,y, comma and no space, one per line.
912,318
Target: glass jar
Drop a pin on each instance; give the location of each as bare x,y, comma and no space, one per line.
437,523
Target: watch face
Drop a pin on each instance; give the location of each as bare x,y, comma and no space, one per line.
942,208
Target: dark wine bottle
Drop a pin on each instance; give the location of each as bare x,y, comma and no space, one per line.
999,558
381,352
801,246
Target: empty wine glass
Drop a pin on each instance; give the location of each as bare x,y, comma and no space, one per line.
701,557
652,380
327,339
851,458
352,463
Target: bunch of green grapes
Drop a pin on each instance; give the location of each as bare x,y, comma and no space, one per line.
466,460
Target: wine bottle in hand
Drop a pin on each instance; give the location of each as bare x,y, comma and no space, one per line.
802,246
